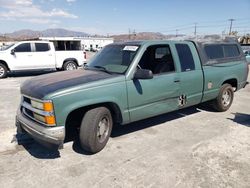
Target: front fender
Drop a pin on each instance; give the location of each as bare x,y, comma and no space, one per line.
114,93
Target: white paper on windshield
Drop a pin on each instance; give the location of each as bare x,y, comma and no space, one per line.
130,48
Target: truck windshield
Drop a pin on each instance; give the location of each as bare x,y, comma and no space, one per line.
114,58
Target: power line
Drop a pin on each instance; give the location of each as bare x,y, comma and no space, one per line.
238,23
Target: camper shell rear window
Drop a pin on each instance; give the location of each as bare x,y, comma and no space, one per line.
221,51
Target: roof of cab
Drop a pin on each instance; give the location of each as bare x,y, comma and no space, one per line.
142,42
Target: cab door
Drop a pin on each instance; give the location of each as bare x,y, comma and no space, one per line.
151,97
191,75
22,58
44,56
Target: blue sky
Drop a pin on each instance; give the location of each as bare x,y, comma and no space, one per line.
118,16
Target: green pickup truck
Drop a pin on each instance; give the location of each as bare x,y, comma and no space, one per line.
127,82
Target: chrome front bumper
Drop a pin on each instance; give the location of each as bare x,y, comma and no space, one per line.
51,137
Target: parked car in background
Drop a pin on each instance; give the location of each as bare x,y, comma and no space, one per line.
246,50
98,49
41,55
247,54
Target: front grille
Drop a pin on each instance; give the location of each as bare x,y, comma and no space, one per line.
26,99
28,113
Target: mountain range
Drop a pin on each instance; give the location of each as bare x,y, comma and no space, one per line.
30,34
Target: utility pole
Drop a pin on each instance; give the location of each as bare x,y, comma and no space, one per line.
176,34
129,33
134,34
195,29
223,34
231,24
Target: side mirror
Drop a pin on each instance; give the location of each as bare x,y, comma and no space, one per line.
12,52
143,74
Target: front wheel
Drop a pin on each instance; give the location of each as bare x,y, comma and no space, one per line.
224,99
70,65
3,71
95,129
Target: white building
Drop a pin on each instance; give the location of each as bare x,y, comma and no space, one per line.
94,43
87,43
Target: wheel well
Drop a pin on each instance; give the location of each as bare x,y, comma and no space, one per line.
71,59
233,82
4,63
74,119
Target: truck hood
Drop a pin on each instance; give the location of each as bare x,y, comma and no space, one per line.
40,86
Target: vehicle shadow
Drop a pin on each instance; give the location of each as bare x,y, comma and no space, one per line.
241,119
207,106
77,148
35,149
151,122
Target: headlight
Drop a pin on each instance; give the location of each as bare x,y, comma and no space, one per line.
46,106
44,112
36,104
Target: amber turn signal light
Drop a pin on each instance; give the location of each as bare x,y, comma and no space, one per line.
47,106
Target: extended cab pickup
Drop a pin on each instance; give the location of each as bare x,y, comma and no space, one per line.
41,55
127,82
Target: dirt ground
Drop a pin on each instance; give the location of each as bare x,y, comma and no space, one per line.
194,147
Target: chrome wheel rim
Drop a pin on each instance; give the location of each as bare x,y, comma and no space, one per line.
1,71
226,98
70,66
103,129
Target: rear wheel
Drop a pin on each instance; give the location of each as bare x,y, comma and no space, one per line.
224,99
95,129
3,71
70,65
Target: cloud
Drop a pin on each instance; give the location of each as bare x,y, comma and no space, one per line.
26,10
41,21
14,4
71,1
61,13
24,2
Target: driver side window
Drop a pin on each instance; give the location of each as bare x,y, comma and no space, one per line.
25,47
158,59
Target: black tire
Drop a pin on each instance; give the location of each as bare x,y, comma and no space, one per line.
3,71
95,129
225,98
70,65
